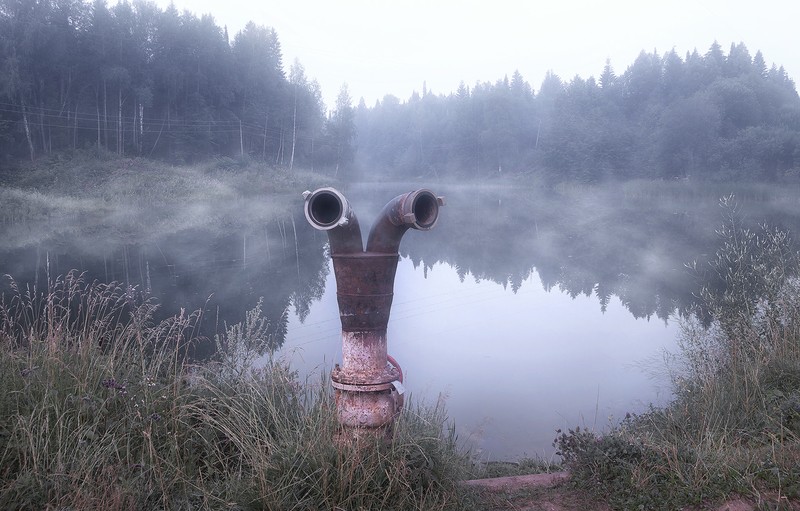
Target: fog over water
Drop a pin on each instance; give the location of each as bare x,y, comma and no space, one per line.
525,311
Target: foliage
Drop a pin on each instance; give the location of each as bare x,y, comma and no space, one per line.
745,279
101,409
733,425
709,117
243,342
135,80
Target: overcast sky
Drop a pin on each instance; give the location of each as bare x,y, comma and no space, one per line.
381,47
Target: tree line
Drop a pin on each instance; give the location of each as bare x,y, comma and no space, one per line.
137,80
710,116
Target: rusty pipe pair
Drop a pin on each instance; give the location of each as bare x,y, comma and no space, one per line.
368,389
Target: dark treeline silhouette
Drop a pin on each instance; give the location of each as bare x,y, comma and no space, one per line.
711,116
136,80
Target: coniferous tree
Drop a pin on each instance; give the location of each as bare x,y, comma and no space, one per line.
341,129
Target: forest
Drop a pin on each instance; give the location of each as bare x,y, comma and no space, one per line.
709,117
136,80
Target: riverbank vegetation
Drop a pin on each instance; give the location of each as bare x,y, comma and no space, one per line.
734,425
104,180
100,408
106,199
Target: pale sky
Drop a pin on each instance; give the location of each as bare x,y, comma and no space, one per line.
381,47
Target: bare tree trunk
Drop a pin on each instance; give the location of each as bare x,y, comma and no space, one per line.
42,131
141,126
294,129
266,243
105,114
133,127
279,154
97,104
264,150
120,134
296,248
338,159
75,128
27,130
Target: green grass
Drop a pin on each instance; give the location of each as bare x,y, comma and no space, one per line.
100,409
124,200
734,425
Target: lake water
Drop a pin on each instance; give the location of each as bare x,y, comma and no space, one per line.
524,311
511,367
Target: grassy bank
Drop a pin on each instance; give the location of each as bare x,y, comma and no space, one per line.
99,409
108,177
734,425
135,200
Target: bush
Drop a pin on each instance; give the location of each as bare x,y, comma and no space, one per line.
733,425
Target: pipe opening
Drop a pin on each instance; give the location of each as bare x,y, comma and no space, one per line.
325,208
425,209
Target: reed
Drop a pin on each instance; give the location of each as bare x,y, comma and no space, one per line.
100,408
733,427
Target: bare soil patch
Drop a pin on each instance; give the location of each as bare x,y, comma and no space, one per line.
550,492
537,492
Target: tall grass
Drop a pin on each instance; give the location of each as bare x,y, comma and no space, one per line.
100,409
734,425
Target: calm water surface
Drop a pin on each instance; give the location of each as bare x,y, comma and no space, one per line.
524,312
511,367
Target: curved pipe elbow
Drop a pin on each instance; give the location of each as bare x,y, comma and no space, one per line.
413,210
326,209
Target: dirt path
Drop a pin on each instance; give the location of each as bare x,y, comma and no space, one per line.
538,492
549,492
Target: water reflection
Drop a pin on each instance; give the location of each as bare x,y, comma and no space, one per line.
530,314
221,273
530,310
591,242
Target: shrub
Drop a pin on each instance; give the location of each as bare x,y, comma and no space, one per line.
733,425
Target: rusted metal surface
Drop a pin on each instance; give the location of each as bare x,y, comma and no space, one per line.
368,388
418,210
366,409
364,289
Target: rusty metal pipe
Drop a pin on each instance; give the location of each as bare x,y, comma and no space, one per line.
368,383
327,210
417,210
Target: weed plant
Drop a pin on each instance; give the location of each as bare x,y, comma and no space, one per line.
101,409
733,426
